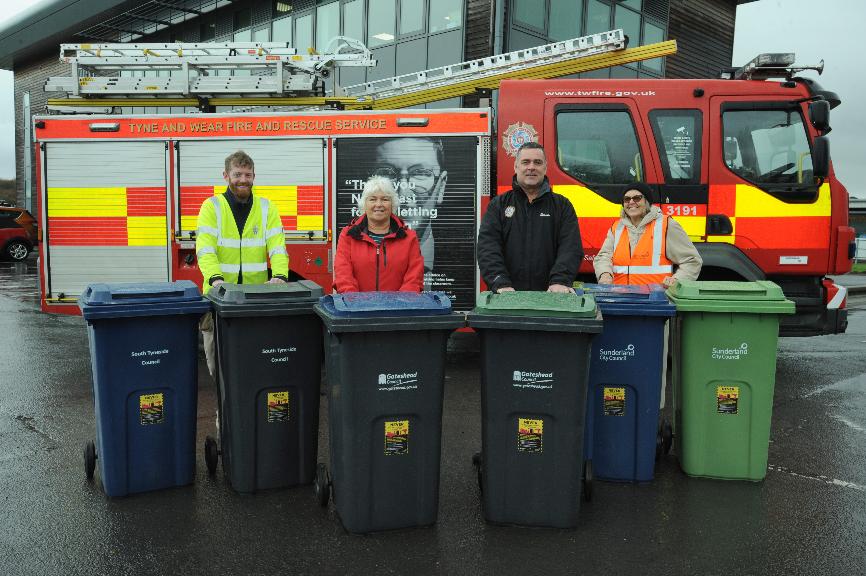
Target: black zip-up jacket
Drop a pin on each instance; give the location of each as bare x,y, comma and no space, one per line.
536,246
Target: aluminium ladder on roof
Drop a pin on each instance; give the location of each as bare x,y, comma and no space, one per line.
551,60
194,69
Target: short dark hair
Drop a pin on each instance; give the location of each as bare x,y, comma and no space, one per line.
240,159
530,146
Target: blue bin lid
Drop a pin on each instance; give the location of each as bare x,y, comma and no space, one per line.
368,304
122,300
631,300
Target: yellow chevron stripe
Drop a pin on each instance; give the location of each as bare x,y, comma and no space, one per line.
311,222
754,202
285,198
587,203
146,231
86,202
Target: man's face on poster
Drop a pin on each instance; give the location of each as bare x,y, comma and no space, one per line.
413,165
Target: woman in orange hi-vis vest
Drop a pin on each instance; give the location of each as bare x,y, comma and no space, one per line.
644,246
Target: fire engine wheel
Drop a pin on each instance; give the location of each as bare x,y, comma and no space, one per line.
587,480
322,485
89,459
211,454
477,462
17,250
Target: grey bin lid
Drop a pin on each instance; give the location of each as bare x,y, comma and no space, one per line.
265,299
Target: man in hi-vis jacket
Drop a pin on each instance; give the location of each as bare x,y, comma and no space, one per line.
238,232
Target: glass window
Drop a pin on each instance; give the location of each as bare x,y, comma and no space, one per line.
282,30
651,35
635,4
243,36
597,17
767,146
529,13
327,25
262,35
565,19
303,33
411,17
630,23
598,146
242,19
445,15
353,13
678,138
381,19
207,31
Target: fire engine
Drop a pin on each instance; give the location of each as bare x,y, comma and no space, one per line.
742,163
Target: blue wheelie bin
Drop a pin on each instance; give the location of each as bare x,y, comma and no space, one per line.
385,362
623,435
144,356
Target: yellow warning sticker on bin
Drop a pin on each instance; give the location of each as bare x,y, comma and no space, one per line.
530,434
278,406
614,402
396,437
151,409
727,399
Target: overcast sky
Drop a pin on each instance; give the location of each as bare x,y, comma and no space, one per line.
813,30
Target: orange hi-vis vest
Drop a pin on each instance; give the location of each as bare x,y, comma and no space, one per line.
648,264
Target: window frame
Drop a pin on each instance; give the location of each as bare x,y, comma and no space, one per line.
697,146
785,191
610,191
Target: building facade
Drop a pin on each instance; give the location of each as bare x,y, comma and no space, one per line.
404,35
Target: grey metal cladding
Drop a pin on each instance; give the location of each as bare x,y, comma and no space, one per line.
74,267
105,164
278,162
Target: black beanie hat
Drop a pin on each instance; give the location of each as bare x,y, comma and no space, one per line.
644,189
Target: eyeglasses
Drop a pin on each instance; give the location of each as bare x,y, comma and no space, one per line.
420,176
637,199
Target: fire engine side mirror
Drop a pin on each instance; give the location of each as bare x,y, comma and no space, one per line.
819,114
821,157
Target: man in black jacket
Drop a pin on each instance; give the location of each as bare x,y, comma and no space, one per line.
529,237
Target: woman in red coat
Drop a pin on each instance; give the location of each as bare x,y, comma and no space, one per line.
376,252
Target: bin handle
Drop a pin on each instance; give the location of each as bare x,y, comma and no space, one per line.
728,294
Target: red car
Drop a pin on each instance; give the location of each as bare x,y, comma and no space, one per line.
17,233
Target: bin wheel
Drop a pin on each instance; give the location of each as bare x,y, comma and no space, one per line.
211,454
322,485
667,437
89,459
477,461
587,480
660,446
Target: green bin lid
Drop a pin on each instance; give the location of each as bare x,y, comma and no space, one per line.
760,297
546,311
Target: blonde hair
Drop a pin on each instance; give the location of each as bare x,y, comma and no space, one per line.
384,186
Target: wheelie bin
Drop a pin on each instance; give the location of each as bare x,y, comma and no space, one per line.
144,357
534,367
385,363
623,433
269,357
725,337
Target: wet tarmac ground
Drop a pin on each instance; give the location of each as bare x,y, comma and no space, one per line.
807,517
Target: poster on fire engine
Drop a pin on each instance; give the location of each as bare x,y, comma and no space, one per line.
436,180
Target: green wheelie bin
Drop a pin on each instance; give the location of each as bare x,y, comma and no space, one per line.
724,369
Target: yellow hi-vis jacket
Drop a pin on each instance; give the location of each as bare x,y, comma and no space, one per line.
221,251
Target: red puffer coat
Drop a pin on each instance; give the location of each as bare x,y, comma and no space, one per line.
364,266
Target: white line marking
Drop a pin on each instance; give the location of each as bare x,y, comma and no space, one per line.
824,479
